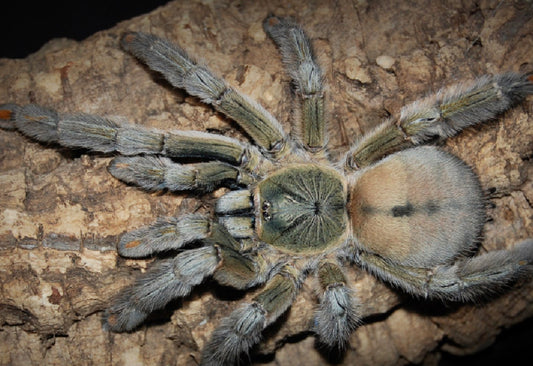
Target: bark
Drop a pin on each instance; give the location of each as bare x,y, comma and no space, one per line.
61,213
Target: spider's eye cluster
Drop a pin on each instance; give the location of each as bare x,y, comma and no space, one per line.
265,210
302,208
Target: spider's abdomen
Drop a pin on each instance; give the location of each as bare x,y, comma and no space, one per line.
301,208
419,207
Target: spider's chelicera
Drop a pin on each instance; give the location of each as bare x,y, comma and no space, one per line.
409,214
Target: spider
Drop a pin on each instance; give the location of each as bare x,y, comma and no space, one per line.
407,213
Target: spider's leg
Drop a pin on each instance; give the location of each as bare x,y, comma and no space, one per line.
238,269
172,278
158,173
183,72
165,234
337,315
466,279
243,327
299,59
166,280
441,115
101,134
173,233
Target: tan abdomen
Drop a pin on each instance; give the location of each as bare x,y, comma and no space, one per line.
418,207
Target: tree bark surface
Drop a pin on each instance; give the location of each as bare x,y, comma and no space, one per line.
61,213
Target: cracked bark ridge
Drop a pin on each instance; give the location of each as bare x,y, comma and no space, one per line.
61,213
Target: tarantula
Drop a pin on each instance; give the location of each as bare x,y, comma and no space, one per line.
409,214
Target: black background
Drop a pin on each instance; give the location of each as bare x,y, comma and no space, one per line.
26,26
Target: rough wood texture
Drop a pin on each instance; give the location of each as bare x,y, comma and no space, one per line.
61,212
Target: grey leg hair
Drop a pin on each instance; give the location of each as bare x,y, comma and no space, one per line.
176,277
101,134
239,269
182,72
337,315
234,210
442,115
463,105
166,234
239,227
158,173
467,279
234,202
299,59
165,281
242,329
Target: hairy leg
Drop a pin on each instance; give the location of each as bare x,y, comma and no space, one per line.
157,173
165,234
104,135
466,279
238,268
441,115
299,59
172,278
337,315
183,72
242,329
165,281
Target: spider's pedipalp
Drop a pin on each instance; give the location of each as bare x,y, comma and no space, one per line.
242,329
234,202
157,173
299,59
465,280
165,234
441,115
235,213
182,72
337,315
166,280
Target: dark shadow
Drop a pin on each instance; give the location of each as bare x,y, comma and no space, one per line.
512,347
